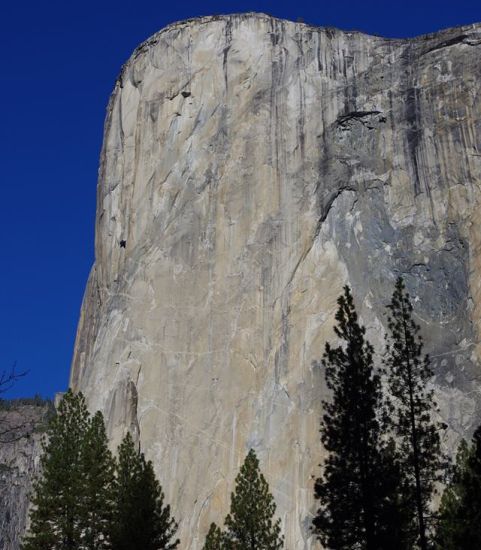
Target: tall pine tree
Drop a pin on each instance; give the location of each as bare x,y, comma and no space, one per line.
358,490
250,524
140,519
408,373
459,525
98,468
58,494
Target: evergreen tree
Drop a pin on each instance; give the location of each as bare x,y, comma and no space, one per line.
140,519
460,512
358,491
450,524
214,539
418,440
250,524
57,501
98,468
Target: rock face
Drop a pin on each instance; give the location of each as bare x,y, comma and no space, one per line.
250,168
21,430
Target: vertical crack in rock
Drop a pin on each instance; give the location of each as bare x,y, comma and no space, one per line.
325,212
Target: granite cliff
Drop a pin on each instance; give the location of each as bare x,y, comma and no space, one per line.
250,168
22,424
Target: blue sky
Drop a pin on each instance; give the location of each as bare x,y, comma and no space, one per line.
59,61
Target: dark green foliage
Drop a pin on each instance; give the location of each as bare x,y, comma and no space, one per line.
408,372
140,519
358,491
80,504
214,539
460,512
250,523
450,525
98,468
56,516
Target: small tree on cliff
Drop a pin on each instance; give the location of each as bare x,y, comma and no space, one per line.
459,525
358,489
140,520
250,523
417,437
57,501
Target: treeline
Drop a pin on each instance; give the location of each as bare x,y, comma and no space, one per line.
35,401
383,462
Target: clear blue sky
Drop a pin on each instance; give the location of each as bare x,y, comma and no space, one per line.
59,61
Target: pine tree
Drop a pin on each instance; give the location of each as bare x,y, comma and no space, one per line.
140,519
418,439
450,525
214,539
358,491
250,524
57,500
98,468
459,525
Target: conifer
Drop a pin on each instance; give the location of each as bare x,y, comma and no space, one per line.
408,373
460,511
250,524
98,468
140,520
57,501
214,539
358,489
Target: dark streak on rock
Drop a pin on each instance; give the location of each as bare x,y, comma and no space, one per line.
302,115
358,115
275,38
412,132
228,41
319,62
461,39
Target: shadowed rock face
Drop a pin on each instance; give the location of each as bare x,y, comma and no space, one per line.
251,167
22,426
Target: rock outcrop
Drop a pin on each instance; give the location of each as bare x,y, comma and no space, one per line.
250,168
22,424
